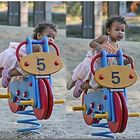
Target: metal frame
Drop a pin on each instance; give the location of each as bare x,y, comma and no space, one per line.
38,12
14,13
88,19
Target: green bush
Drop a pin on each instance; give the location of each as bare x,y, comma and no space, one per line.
74,8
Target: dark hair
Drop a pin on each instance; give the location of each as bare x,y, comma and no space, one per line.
114,19
40,28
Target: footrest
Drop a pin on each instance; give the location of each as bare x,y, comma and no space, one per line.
5,96
136,114
79,108
28,102
60,101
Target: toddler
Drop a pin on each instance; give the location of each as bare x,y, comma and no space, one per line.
115,29
9,66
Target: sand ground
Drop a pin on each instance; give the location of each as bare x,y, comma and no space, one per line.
64,123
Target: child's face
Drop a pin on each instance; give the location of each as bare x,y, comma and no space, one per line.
50,33
117,31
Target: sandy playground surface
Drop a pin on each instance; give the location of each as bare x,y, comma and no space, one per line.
64,123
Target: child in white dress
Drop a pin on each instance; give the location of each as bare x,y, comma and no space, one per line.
8,61
115,29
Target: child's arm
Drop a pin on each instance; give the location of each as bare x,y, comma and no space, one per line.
96,43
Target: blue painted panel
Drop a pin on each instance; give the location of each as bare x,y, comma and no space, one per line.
23,86
97,98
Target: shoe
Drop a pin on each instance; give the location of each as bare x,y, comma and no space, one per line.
70,84
5,78
1,69
78,90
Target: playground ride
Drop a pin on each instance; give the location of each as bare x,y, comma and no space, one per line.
110,101
34,90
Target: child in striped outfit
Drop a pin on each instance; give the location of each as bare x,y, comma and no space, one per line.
115,29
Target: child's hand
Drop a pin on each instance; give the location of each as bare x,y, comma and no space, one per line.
99,48
51,39
128,60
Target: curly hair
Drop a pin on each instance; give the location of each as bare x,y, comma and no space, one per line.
40,28
114,19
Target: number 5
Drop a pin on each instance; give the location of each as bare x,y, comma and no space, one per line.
40,64
115,78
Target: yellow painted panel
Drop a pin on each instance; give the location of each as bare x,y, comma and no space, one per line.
41,63
115,76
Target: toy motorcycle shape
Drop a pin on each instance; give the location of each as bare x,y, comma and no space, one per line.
110,101
36,88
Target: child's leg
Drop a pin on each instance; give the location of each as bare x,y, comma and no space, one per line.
5,78
14,72
7,75
71,84
86,85
80,72
80,86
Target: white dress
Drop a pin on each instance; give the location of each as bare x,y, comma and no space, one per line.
83,70
8,58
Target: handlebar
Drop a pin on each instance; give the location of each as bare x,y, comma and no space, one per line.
132,64
25,42
100,55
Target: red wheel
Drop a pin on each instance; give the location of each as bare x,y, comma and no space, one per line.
116,126
41,112
88,118
50,101
13,106
125,112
